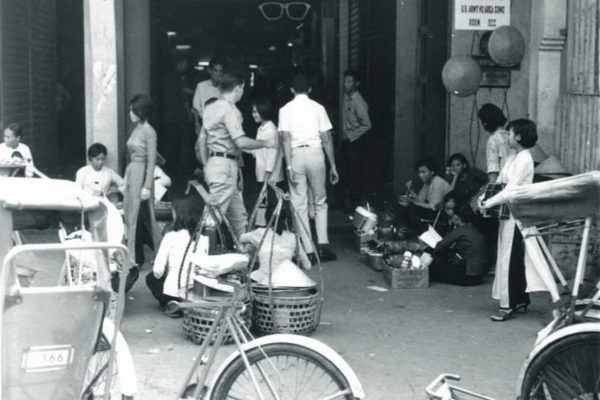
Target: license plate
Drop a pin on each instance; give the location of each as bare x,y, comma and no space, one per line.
47,358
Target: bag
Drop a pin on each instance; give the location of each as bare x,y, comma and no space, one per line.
132,277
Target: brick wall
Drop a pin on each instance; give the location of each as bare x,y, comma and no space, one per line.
28,75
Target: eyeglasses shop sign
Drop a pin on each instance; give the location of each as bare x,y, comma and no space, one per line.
481,15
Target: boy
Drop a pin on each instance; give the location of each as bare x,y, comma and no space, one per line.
95,178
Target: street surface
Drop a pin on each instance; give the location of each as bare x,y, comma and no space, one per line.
396,341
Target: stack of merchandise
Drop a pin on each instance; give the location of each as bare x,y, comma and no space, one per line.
405,265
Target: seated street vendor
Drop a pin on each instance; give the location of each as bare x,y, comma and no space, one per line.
461,257
13,151
169,274
422,207
95,178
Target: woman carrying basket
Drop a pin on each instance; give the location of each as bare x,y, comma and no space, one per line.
516,270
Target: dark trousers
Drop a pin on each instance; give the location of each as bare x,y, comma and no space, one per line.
448,268
355,171
517,282
142,233
416,218
156,286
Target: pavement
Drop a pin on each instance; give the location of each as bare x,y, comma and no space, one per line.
396,341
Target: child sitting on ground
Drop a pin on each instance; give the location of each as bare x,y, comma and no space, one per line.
166,281
95,178
13,151
461,257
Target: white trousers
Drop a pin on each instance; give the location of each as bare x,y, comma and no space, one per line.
308,164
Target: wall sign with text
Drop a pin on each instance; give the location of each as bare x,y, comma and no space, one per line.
481,15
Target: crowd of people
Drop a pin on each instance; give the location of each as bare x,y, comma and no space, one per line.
298,136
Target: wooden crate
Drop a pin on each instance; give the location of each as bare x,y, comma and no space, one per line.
399,278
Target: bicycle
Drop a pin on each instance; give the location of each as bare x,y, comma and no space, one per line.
262,368
277,366
565,360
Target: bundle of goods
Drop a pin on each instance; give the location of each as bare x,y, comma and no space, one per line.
405,265
291,304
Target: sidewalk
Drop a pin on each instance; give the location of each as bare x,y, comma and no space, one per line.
396,341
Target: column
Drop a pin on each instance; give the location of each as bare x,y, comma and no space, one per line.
136,41
102,105
549,20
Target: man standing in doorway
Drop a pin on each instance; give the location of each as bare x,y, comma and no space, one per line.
178,119
207,89
221,141
306,136
355,145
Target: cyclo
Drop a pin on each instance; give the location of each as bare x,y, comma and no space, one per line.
565,360
59,327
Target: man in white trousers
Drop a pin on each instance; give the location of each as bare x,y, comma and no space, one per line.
307,142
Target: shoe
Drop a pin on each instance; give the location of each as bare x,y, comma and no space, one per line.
173,310
504,314
325,254
521,307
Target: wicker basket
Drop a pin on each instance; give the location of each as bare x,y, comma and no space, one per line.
291,312
198,321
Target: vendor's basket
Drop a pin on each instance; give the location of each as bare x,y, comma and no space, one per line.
286,311
197,322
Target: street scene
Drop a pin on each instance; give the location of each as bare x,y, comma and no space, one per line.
307,200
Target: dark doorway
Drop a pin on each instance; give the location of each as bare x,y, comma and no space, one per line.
431,104
70,100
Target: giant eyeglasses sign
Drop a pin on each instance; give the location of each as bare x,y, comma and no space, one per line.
295,10
481,15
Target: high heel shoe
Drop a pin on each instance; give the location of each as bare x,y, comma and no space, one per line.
504,314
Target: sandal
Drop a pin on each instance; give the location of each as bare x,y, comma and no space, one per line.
504,314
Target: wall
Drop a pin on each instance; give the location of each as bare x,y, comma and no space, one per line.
460,115
28,75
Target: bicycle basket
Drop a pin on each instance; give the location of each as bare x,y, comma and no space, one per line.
197,322
287,311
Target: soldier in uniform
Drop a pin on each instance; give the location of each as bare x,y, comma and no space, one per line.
221,141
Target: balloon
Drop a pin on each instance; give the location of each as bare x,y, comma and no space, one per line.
461,75
506,46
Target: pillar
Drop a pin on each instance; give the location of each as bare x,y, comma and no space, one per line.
102,76
136,41
547,44
406,148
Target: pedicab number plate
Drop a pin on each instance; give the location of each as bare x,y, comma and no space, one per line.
47,358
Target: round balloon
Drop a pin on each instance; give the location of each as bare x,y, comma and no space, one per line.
506,46
461,75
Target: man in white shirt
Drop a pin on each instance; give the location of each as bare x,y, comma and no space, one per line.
207,89
306,136
13,151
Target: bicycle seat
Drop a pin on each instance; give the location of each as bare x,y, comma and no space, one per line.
217,265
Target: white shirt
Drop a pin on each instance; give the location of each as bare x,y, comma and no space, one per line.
304,119
6,154
268,159
205,90
169,257
97,183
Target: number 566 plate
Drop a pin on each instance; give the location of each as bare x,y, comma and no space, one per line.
47,358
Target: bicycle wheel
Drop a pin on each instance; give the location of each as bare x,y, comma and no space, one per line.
97,373
291,371
568,369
